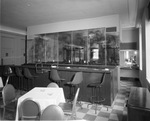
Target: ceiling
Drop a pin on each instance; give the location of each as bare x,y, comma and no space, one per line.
22,13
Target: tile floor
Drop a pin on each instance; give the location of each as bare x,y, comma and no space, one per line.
116,112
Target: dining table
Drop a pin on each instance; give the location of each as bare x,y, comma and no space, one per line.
44,96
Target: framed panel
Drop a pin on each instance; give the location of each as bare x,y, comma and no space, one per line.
97,46
112,48
79,46
64,47
51,46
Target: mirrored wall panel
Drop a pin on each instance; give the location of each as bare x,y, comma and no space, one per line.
112,48
97,46
90,47
64,48
79,47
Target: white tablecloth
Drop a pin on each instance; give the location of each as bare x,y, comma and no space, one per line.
43,96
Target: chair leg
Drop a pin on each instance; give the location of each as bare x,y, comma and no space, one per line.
32,85
96,108
59,83
71,95
19,79
3,114
28,84
21,84
25,84
7,80
92,97
73,116
95,98
78,102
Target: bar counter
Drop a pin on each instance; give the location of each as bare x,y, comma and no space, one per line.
108,90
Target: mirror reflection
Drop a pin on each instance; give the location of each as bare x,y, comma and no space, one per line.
129,58
91,46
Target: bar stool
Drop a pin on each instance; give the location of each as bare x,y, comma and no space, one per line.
8,72
39,67
54,77
20,77
96,97
74,84
30,79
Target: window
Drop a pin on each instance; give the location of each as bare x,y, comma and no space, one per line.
147,25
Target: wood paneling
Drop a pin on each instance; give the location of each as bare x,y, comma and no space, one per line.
108,90
12,48
128,46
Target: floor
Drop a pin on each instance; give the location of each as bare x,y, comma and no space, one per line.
116,112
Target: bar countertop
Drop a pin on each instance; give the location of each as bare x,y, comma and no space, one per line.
140,98
66,67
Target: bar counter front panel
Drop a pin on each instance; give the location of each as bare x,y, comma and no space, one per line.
108,90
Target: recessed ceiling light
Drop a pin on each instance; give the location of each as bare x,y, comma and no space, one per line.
28,4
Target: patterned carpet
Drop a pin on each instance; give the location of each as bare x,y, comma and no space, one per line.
116,112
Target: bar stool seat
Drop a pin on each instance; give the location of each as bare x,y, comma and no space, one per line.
54,77
96,97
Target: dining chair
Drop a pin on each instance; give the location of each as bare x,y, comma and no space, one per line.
53,85
70,108
9,99
54,76
52,112
1,86
29,110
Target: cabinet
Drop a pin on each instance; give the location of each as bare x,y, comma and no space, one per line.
139,104
127,72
